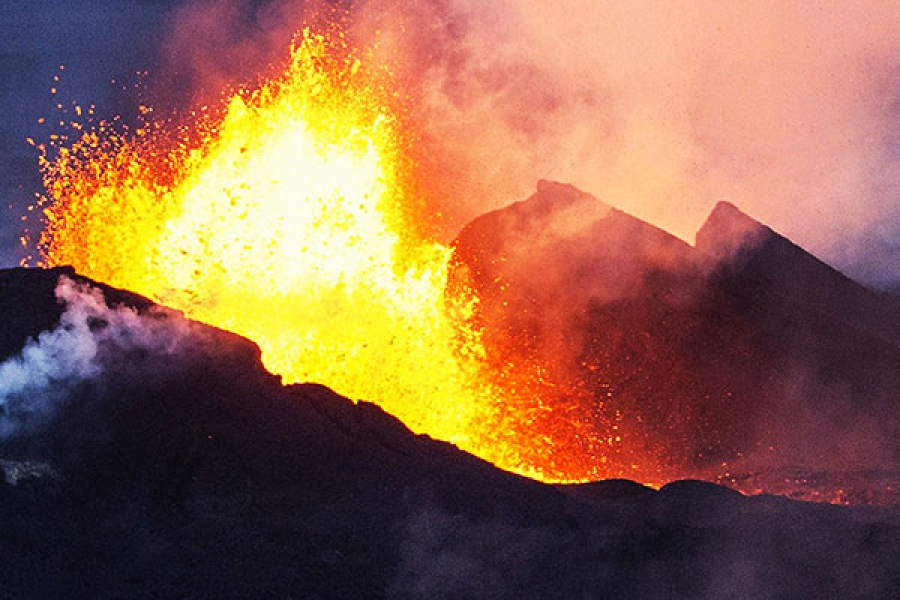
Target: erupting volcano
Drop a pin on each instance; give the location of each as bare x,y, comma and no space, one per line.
316,338
558,338
291,219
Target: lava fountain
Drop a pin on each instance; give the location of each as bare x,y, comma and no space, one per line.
289,219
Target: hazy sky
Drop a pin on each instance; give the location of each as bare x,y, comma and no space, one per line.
787,108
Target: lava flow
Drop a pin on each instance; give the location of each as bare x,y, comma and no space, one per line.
289,221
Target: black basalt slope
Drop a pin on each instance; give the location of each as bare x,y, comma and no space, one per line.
191,472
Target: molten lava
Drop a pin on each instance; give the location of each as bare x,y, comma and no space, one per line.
288,220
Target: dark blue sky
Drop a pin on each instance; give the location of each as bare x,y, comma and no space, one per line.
97,41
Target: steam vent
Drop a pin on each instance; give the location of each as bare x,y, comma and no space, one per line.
291,318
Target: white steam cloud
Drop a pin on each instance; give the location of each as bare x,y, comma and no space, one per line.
34,383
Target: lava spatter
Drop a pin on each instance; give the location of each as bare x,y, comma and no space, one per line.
288,220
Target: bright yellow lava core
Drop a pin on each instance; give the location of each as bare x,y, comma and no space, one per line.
287,221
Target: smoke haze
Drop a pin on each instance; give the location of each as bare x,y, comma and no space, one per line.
443,555
786,109
782,108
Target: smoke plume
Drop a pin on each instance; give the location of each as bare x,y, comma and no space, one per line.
37,382
785,109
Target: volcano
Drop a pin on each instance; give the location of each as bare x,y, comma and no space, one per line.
740,355
170,463
148,455
559,338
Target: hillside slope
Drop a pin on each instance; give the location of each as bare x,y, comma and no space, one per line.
147,456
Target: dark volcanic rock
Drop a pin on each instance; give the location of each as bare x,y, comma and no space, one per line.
595,300
833,345
186,470
606,490
562,247
743,347
758,265
29,306
772,267
845,332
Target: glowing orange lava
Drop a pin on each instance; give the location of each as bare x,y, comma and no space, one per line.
288,221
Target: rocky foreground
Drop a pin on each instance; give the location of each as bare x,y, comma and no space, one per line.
147,456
